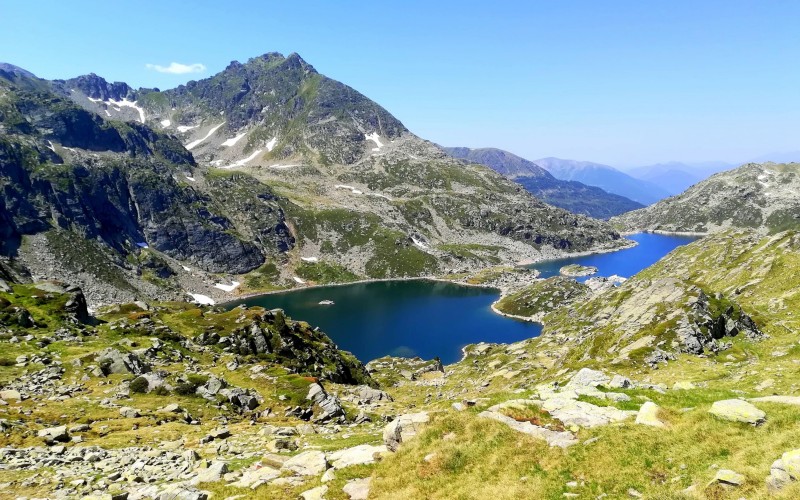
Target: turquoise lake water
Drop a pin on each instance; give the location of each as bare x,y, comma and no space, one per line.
428,318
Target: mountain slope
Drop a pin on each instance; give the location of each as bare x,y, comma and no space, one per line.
569,195
260,177
763,196
605,177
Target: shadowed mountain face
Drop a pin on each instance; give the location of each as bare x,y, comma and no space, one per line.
605,177
569,195
760,196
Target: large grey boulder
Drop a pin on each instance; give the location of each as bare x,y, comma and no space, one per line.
357,455
737,410
368,395
586,377
113,361
308,463
403,428
357,489
785,470
330,406
213,472
52,435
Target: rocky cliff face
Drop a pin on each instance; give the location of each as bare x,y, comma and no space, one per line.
761,196
121,184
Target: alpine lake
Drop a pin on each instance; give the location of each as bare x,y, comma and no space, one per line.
429,318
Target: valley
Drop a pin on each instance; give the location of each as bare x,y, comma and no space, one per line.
261,284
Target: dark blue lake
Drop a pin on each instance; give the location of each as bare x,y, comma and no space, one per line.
623,263
429,318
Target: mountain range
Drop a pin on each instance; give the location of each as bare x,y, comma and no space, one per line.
570,195
605,177
266,175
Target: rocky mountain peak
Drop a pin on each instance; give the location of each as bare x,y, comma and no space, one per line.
96,87
15,70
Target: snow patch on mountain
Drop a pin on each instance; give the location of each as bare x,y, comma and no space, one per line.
199,141
230,142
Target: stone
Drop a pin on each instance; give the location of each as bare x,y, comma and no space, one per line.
368,395
683,386
113,361
330,405
728,477
785,400
179,492
582,414
403,428
308,463
784,470
737,410
317,493
561,439
128,412
587,377
55,434
170,408
648,415
329,476
10,394
357,455
254,478
357,489
212,473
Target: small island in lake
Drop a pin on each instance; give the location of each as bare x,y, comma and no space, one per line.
577,270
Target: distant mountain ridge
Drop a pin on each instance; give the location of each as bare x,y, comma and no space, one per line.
569,195
676,176
605,177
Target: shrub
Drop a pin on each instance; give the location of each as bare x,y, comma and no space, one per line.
185,389
161,391
197,380
139,385
7,362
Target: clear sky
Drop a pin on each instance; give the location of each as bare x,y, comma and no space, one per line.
618,82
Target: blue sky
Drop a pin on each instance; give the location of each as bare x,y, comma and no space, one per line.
620,82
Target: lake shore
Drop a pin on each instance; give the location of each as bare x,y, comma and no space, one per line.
665,233
502,289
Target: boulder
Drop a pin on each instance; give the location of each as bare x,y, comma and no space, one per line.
368,395
357,489
403,428
737,410
254,478
213,472
648,415
308,463
113,361
620,382
728,478
128,412
10,394
583,414
586,377
357,455
784,470
55,434
179,492
329,405
317,493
